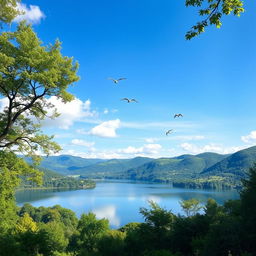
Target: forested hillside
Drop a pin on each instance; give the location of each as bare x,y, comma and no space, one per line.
206,170
54,180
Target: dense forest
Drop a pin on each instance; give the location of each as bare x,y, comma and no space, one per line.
206,170
220,230
54,180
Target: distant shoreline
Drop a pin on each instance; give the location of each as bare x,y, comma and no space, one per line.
55,188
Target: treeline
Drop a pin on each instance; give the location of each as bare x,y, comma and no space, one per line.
55,231
55,180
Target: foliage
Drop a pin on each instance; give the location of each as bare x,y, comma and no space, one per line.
158,225
52,237
213,11
191,206
90,231
29,74
26,224
11,167
55,180
248,209
112,243
8,10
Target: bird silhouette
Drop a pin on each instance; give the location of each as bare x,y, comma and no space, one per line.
168,132
178,115
129,100
116,81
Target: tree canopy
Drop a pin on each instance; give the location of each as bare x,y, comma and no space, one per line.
212,11
8,10
30,73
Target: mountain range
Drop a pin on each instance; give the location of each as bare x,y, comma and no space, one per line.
202,170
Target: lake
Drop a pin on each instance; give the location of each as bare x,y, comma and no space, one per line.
120,202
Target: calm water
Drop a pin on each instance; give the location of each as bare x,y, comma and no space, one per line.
120,202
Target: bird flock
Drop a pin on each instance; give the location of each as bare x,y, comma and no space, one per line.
116,81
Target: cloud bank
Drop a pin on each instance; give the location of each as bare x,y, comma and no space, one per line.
70,112
31,14
106,129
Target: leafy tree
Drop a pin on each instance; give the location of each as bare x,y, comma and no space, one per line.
112,243
30,73
90,231
211,208
158,225
26,224
185,231
224,235
8,10
11,167
26,235
213,11
160,253
52,238
191,206
157,217
248,210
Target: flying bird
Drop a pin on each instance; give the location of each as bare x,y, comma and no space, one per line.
129,100
178,115
116,81
168,132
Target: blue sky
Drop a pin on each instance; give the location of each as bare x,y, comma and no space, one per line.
210,79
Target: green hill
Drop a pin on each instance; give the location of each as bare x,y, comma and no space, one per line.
202,170
177,168
234,166
113,168
55,180
67,164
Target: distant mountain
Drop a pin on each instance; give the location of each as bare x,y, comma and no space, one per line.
202,170
236,165
111,168
185,166
67,164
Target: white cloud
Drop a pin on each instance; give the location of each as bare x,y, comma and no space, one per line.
83,143
250,138
194,149
106,129
150,140
31,14
106,111
189,137
70,112
146,149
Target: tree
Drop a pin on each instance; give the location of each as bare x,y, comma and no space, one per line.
29,74
51,237
158,225
8,10
248,210
90,231
112,243
11,168
191,206
213,10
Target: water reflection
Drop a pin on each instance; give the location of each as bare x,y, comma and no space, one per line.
108,212
120,202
